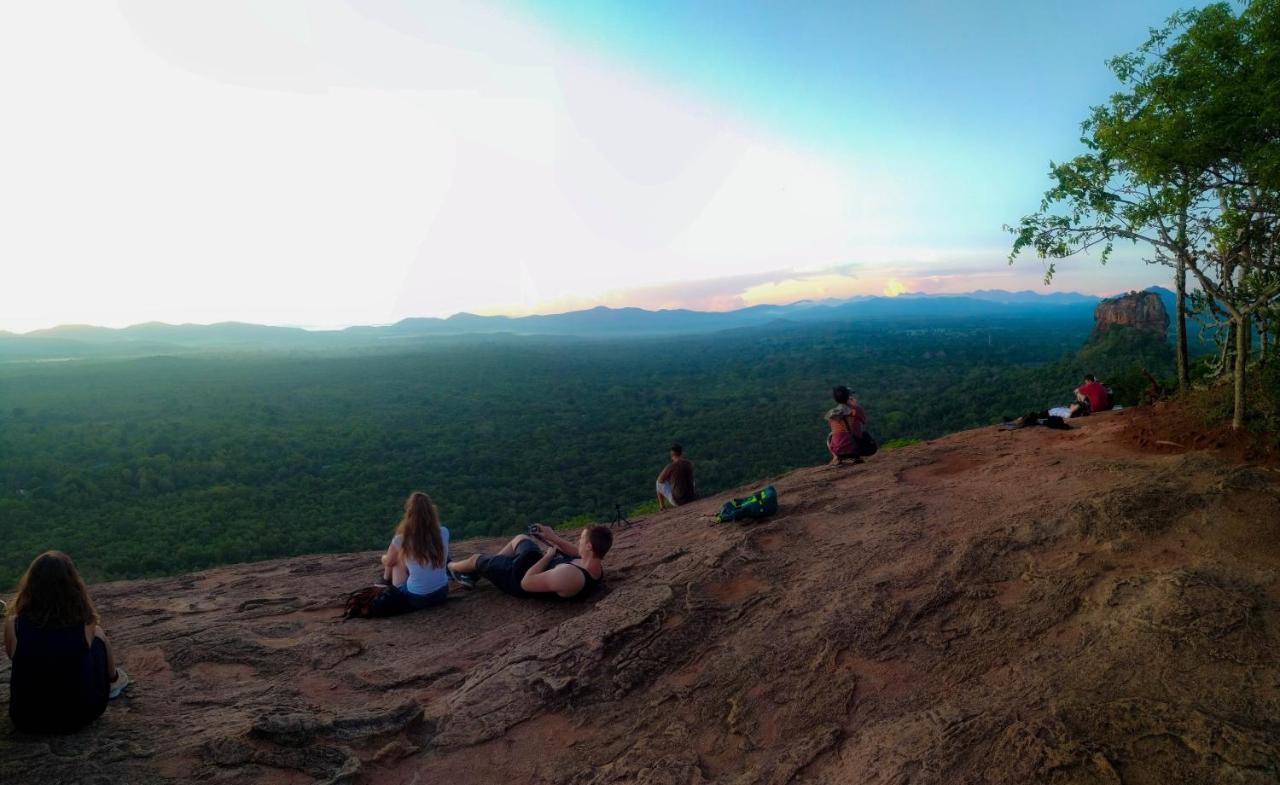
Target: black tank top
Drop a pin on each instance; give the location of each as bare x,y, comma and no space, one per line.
589,583
58,683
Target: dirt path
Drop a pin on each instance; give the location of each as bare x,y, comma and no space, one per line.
1002,607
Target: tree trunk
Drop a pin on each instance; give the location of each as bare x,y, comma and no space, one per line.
1228,348
1244,337
1264,338
1180,321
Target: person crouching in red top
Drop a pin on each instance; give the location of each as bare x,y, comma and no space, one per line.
845,420
1097,394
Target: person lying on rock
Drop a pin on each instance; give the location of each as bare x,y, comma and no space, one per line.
1080,408
414,563
846,420
675,484
64,669
523,569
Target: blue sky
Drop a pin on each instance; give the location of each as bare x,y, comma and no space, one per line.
971,97
327,163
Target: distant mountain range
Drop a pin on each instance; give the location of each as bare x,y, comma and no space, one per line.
73,341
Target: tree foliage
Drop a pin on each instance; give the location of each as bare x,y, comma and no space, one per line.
1183,160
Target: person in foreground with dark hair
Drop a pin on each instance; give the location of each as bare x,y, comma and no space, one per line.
64,669
414,563
675,484
522,569
846,420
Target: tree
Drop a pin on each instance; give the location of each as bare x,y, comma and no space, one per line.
1184,161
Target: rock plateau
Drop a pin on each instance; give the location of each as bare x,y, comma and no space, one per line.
992,607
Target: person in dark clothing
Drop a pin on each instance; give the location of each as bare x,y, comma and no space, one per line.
522,569
675,484
64,669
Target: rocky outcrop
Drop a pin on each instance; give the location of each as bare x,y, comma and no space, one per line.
1024,606
1140,310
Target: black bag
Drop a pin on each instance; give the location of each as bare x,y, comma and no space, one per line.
864,444
374,602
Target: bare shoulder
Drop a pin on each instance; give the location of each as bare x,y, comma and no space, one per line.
568,578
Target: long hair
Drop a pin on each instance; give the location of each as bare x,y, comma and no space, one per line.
420,530
52,593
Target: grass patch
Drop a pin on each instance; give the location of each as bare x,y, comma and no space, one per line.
898,444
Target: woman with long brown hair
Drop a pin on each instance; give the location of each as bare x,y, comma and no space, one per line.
64,670
415,561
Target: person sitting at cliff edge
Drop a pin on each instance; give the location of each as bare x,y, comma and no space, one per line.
64,668
675,484
846,420
565,570
1095,392
415,559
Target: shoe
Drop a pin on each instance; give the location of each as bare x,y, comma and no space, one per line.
466,579
117,686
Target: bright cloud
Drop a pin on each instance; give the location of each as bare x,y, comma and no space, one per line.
326,163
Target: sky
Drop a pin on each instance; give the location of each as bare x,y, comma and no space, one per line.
323,163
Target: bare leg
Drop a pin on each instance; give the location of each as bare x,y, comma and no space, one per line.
510,547
465,565
394,570
469,564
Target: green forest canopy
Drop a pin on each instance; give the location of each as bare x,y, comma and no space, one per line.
168,464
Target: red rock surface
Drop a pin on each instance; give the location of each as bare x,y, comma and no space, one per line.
1141,310
992,607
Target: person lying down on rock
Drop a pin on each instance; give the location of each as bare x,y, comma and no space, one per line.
1080,408
522,568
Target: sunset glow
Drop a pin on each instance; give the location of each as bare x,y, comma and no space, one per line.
331,163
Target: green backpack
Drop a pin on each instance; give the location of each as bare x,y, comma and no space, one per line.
760,504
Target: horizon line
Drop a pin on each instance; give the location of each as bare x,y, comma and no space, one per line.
515,316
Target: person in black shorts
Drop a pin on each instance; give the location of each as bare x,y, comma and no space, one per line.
523,569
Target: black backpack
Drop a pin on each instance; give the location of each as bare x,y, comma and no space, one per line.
864,444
